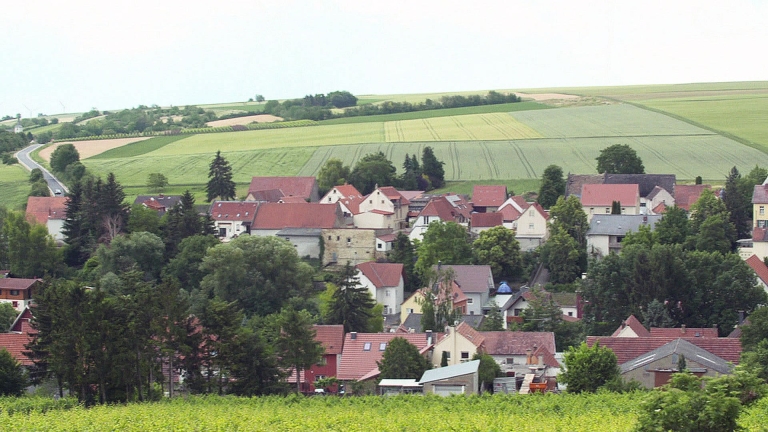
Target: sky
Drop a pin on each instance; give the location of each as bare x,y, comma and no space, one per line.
76,55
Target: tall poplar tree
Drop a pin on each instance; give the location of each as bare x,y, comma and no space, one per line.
220,182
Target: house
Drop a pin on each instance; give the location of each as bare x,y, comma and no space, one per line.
632,327
18,128
306,241
655,368
514,304
385,207
659,199
460,378
384,244
443,208
362,351
475,281
529,220
48,211
760,269
392,386
651,360
515,352
599,199
484,221
232,218
412,305
385,283
687,195
606,231
355,245
646,184
348,197
274,217
488,198
332,339
160,203
759,204
412,323
17,291
19,336
273,189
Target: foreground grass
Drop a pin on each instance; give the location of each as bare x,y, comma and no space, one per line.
528,413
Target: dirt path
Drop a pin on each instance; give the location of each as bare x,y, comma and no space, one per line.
91,148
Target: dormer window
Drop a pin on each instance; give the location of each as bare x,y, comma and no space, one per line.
367,346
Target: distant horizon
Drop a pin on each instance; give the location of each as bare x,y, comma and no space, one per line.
70,57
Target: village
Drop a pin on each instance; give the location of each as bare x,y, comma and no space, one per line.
345,226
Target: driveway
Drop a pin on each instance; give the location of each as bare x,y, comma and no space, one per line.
53,183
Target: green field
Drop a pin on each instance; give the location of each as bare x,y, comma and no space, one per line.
482,109
14,186
474,147
139,148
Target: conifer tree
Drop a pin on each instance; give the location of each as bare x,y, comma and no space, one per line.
351,303
432,168
220,183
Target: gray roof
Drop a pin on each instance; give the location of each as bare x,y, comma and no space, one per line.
620,224
685,348
450,371
300,232
413,321
394,382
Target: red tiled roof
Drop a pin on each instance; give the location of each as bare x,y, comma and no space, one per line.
393,194
636,326
606,194
549,358
17,283
759,234
292,199
15,343
761,270
489,195
233,210
331,336
410,195
387,237
471,278
356,362
540,209
470,333
485,220
686,195
760,194
347,190
382,274
689,332
509,213
626,349
296,215
661,208
381,212
516,343
40,209
347,195
440,207
290,186
270,195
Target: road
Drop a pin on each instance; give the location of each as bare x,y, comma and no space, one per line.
53,183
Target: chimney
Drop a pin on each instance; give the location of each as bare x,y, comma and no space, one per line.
528,356
429,336
353,335
741,318
541,360
682,328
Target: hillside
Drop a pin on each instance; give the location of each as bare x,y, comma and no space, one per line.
689,130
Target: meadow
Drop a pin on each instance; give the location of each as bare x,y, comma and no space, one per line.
14,186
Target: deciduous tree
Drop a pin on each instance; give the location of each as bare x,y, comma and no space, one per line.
499,248
587,369
371,170
552,186
446,242
401,360
13,380
62,156
619,159
156,182
333,173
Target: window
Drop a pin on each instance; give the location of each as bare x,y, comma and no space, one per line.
379,246
447,354
329,199
592,210
386,293
530,226
14,292
382,346
15,304
349,240
570,313
329,237
762,210
319,377
367,346
409,310
530,213
370,201
623,210
607,210
470,300
518,312
338,238
382,201
465,355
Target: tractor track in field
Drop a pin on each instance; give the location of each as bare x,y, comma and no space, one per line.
489,159
463,128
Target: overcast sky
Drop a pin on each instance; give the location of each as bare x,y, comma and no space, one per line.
83,54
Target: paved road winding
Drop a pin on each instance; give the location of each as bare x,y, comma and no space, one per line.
53,183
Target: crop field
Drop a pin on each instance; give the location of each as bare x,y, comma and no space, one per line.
138,147
612,412
14,186
482,109
743,116
496,126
